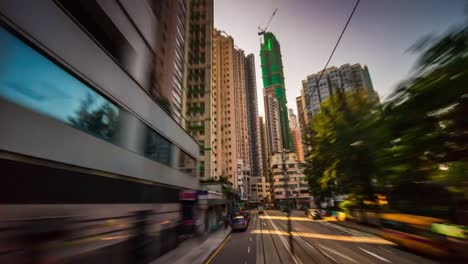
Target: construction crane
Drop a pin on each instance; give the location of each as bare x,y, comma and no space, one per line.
262,31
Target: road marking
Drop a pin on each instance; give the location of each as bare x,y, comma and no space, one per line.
248,250
250,239
337,253
326,254
386,249
217,251
283,240
375,255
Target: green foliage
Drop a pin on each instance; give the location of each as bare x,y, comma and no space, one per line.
415,142
341,158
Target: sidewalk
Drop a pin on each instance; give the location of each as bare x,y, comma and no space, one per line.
195,250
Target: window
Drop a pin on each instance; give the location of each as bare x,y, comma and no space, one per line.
48,89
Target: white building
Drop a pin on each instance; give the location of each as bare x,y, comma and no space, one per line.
298,188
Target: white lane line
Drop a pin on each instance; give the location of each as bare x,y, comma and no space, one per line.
283,240
248,250
337,253
330,257
386,249
250,239
375,255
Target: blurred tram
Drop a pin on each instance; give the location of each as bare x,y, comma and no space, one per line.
91,166
428,235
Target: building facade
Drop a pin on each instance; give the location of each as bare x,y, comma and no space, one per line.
224,113
242,123
345,78
296,136
200,105
261,190
295,180
170,56
263,148
273,79
302,113
232,144
252,113
272,122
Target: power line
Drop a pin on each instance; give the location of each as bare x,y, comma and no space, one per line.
333,51
339,39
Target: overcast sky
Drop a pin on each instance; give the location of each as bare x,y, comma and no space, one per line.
378,36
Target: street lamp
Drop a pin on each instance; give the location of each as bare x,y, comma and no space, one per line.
286,177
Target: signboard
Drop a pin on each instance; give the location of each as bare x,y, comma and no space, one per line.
188,195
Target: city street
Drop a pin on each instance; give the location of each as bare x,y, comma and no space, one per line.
267,240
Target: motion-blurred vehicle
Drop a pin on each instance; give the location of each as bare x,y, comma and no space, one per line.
246,215
427,235
260,210
239,223
314,214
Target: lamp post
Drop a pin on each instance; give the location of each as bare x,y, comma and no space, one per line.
288,208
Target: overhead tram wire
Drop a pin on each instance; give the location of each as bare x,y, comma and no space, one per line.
333,51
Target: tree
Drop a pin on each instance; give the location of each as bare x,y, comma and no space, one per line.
341,159
98,119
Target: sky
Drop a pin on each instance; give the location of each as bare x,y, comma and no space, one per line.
379,35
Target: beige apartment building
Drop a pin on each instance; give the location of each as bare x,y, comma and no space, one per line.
230,114
298,188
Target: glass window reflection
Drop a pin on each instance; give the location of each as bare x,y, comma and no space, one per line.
158,148
31,80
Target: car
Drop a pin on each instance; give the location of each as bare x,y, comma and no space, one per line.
260,210
246,215
239,223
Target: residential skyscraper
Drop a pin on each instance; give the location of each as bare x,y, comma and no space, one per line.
263,147
225,114
252,113
346,77
230,115
296,136
272,122
301,113
170,57
242,122
200,107
273,79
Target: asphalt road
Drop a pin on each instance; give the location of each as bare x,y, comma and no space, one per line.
267,241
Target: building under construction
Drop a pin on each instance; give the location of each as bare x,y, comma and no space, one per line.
273,80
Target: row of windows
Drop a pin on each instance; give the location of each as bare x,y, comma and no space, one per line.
34,82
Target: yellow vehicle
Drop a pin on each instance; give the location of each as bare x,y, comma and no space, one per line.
414,232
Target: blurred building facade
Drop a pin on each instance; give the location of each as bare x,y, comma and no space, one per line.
296,136
90,92
273,81
170,67
200,107
298,187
